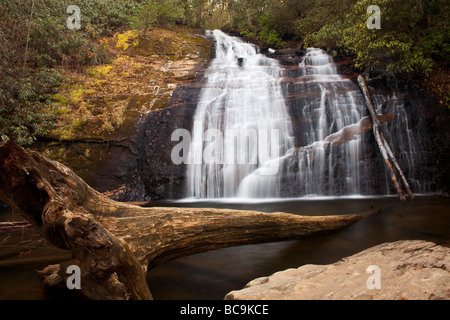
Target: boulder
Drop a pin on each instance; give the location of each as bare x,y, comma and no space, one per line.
408,270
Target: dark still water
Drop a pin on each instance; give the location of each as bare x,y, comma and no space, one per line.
213,274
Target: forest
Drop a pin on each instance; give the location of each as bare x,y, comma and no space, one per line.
105,103
35,44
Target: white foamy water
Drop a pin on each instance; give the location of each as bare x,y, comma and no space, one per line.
243,103
242,97
324,170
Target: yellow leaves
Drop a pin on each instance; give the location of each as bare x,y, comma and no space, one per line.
104,43
76,95
127,39
100,71
123,60
63,110
59,99
91,31
100,99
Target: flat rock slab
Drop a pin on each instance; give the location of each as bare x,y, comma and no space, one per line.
413,270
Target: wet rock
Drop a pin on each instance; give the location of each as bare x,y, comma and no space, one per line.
114,161
289,57
108,166
133,163
161,177
163,180
413,270
416,134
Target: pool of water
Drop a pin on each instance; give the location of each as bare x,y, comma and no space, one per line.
212,275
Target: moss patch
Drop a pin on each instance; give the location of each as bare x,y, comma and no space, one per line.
144,71
127,40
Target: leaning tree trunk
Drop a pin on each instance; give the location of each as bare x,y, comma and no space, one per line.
388,156
115,243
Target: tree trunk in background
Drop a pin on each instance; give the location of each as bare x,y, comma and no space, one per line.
384,147
115,243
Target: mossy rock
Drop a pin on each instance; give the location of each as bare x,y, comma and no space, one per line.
96,103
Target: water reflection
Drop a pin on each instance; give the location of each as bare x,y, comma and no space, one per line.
213,274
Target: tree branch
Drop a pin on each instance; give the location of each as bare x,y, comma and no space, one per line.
115,243
383,145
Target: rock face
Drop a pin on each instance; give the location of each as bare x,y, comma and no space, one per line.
161,177
412,270
416,134
133,163
144,83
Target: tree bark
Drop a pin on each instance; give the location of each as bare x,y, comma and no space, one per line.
347,134
115,244
384,147
9,226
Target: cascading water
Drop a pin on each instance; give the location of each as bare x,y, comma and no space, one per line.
333,104
243,113
248,96
402,135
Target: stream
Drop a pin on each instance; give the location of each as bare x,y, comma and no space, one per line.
246,93
212,275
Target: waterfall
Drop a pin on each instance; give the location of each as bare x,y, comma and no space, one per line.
330,103
403,136
261,131
242,113
333,104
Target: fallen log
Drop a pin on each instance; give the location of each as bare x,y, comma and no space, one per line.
13,225
114,244
388,156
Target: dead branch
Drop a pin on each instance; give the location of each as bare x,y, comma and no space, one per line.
383,145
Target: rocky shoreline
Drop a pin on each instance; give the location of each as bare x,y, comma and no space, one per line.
402,270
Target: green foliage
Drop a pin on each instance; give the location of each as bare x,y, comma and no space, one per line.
262,20
163,13
328,36
315,15
402,44
413,35
248,34
413,39
25,103
268,33
33,43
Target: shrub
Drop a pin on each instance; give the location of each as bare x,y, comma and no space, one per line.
35,43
